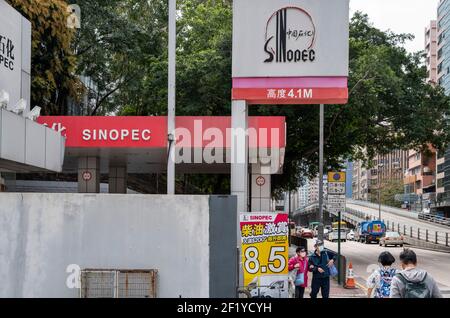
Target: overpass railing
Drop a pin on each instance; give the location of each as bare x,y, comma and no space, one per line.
434,219
417,233
421,234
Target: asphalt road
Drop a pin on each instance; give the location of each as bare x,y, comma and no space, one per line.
364,259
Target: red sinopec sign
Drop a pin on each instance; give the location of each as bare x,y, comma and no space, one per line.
151,132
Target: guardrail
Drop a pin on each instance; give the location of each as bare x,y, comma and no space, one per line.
435,237
411,214
434,219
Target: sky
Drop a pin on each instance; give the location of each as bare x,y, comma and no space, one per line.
400,16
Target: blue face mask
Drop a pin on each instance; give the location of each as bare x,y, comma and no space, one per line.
321,248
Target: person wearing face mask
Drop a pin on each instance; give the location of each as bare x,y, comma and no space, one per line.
319,265
300,262
413,282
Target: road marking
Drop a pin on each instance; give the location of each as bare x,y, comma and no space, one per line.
361,286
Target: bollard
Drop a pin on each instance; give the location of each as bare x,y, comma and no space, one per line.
410,232
418,233
436,237
398,228
446,239
426,235
404,229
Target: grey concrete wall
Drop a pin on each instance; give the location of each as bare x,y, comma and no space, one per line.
41,234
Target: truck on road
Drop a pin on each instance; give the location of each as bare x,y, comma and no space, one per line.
370,231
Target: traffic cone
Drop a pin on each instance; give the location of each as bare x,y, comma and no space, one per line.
350,283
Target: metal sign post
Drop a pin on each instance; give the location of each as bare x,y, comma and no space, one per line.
171,98
336,203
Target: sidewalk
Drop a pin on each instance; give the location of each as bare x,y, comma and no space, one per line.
336,291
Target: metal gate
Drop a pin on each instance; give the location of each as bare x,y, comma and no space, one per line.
118,283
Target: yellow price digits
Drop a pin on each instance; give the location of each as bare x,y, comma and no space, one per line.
276,261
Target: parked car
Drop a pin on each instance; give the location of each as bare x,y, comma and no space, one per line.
351,235
307,233
392,238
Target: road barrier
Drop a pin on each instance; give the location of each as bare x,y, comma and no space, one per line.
436,239
434,219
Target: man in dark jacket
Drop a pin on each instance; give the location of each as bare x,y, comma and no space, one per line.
319,265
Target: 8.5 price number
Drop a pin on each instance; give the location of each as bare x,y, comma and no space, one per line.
276,262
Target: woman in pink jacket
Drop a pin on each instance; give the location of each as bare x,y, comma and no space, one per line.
300,262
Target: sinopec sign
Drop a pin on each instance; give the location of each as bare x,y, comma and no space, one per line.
15,53
290,51
290,37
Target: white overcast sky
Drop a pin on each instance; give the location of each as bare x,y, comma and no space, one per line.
400,16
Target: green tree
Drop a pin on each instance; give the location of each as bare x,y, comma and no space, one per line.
52,74
389,188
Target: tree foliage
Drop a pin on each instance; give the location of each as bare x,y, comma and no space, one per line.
52,60
122,47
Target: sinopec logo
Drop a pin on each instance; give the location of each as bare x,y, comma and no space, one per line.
290,36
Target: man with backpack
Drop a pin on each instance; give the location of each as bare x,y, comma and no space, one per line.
413,282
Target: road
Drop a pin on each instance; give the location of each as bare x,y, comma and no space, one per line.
408,221
364,259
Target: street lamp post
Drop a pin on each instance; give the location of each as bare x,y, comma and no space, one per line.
380,165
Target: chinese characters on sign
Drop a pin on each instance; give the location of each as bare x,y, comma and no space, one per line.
289,93
264,238
6,53
336,192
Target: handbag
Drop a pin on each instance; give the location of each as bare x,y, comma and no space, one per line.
333,270
300,278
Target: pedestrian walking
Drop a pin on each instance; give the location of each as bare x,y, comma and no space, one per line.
319,265
299,263
412,282
379,282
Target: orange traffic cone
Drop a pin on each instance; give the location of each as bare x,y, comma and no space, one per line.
350,283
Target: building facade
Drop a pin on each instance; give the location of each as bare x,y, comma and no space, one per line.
359,182
386,168
431,52
421,175
441,203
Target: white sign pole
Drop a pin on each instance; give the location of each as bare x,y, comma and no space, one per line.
171,98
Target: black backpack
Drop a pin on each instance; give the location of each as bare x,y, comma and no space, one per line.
415,289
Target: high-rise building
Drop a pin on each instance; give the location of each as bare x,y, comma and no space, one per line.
441,203
421,175
386,168
443,37
431,52
359,182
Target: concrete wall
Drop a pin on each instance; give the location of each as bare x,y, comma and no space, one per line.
41,234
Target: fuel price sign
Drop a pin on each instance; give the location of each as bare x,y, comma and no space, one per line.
264,238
